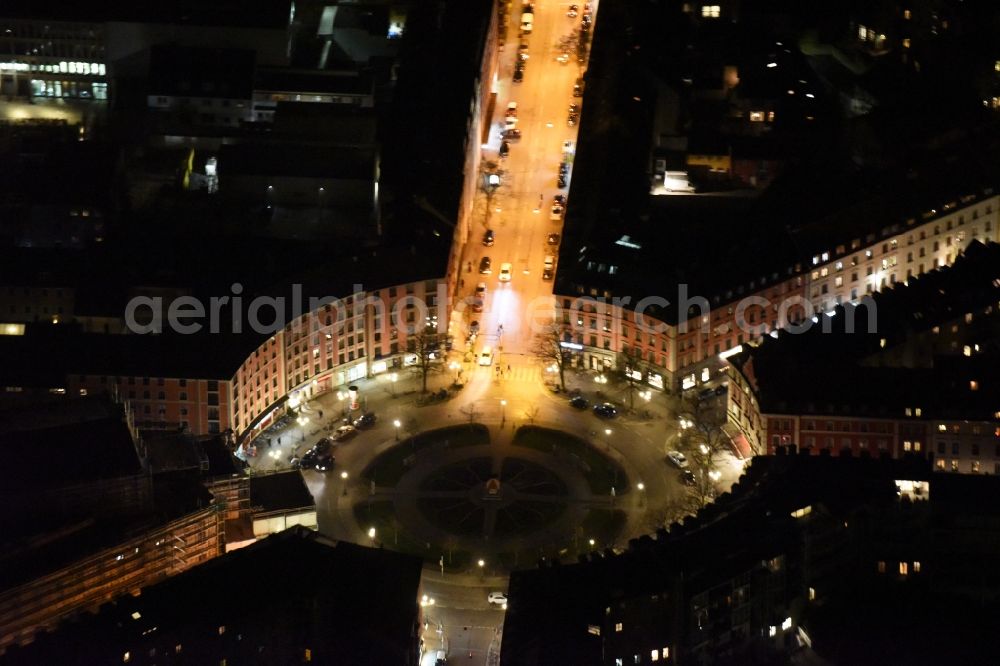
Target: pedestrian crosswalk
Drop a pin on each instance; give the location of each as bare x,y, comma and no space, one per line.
516,373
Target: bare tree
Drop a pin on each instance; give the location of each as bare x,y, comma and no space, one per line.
530,413
549,350
629,366
426,346
470,411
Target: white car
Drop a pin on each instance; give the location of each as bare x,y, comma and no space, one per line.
505,272
510,122
678,459
486,356
498,598
557,213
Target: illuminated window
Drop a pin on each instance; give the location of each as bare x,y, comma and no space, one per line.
222,629
711,11
812,594
756,116
907,445
916,567
127,657
973,385
917,411
654,655
770,116
904,568
618,627
906,42
906,14
881,566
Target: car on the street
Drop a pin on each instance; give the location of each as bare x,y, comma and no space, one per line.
564,167
561,181
553,239
587,19
557,212
559,199
481,290
497,598
518,75
323,446
572,119
295,462
579,402
324,463
562,58
485,266
677,459
512,135
567,147
344,432
548,267
486,356
505,269
688,478
488,238
572,11
504,150
366,420
510,122
511,110
605,410
578,88
474,327
308,460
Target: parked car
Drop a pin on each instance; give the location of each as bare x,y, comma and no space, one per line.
344,432
557,213
605,410
572,11
510,122
562,58
511,110
572,119
485,266
505,269
324,463
497,598
578,88
559,199
518,75
308,461
512,135
488,238
553,239
564,168
323,446
688,478
561,181
504,150
678,459
579,402
474,328
366,420
481,290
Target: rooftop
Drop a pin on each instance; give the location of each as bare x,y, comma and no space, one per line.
236,13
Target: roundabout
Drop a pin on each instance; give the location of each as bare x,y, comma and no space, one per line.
459,494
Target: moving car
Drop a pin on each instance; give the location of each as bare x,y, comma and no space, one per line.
488,238
677,459
485,266
486,356
579,402
344,432
505,272
504,149
497,598
605,410
366,420
324,463
553,239
688,478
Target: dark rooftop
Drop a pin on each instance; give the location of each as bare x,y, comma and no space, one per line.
345,603
279,492
181,71
235,13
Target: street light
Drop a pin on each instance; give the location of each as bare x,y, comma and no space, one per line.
371,535
503,411
396,423
641,486
343,477
481,563
592,543
704,449
456,366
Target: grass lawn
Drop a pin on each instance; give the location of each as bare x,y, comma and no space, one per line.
389,466
601,472
392,535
